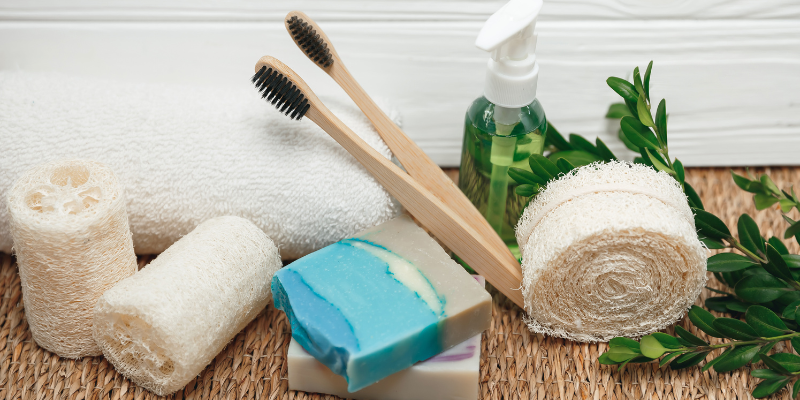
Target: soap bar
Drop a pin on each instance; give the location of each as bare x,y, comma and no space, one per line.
377,303
453,374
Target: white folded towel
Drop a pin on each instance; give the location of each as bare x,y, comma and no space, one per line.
188,154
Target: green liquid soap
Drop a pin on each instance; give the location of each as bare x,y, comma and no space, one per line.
496,139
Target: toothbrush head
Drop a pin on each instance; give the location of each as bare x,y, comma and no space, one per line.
282,87
305,35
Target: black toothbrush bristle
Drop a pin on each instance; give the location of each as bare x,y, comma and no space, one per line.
279,91
310,42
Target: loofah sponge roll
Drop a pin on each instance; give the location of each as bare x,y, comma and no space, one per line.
609,250
162,326
72,241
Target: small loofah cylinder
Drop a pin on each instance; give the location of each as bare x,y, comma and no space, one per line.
72,242
609,249
162,326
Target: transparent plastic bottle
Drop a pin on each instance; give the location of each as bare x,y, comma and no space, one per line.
495,139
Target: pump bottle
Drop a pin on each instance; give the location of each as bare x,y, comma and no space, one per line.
507,124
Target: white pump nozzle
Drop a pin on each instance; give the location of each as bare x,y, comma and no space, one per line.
508,34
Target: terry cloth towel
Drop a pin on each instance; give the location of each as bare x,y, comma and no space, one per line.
188,154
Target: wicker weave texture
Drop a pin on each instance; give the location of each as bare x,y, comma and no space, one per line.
515,364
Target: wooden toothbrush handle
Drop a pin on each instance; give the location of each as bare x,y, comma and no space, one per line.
441,220
418,164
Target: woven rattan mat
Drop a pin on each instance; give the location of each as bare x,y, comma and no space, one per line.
515,364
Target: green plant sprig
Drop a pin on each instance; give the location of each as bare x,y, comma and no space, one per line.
749,341
763,276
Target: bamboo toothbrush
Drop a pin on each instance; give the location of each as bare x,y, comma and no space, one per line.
288,92
318,48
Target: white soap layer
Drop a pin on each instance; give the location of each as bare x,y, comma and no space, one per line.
164,324
453,374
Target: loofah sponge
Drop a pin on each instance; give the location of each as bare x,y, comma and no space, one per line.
162,326
609,250
72,242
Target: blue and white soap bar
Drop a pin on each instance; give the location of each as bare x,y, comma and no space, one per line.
377,303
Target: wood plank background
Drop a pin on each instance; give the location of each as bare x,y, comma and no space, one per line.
730,69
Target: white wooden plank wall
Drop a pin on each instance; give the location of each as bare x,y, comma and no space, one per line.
730,69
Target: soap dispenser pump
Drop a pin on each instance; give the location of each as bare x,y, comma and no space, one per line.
507,124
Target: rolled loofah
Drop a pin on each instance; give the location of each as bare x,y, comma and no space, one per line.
72,241
162,326
609,249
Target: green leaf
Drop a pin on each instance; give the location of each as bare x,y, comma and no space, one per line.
796,344
575,157
770,185
774,364
760,288
778,245
679,171
668,341
555,139
765,322
580,143
744,183
787,360
659,166
791,260
710,226
526,190
790,311
704,321
661,122
651,347
603,359
691,194
668,357
689,337
719,358
727,262
764,201
786,205
564,165
738,358
764,373
776,266
628,143
647,80
618,110
736,306
603,151
793,230
543,167
712,244
796,388
644,113
637,81
523,176
720,304
749,235
688,360
735,329
624,342
623,88
769,387
638,134
632,108
621,354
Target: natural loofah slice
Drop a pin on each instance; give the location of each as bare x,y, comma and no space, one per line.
162,326
609,250
72,241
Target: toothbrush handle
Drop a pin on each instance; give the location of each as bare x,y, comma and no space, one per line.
440,219
417,163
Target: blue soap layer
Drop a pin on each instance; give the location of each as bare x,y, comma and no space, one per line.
349,310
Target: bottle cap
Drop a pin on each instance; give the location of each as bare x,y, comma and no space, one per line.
512,72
